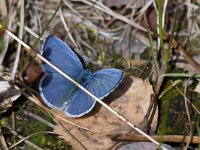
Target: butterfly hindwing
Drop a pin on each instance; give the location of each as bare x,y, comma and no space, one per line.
55,90
80,103
102,83
106,80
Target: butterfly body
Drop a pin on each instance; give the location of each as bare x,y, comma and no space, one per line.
59,93
85,76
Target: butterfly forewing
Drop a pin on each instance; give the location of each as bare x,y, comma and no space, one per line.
61,55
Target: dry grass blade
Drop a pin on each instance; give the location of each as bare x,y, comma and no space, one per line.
19,44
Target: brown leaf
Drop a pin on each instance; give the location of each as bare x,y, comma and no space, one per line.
131,99
33,73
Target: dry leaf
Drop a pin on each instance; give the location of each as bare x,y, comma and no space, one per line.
33,74
131,99
7,95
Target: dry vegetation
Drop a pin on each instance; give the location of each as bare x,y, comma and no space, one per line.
158,44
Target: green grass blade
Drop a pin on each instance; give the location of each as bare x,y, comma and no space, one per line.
153,54
166,56
160,25
198,133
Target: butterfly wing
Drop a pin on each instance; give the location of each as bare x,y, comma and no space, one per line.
102,83
54,88
61,55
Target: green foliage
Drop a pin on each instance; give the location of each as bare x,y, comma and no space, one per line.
1,44
153,53
198,133
160,25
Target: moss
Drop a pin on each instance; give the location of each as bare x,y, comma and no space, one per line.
174,119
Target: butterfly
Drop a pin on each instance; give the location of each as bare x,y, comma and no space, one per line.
59,93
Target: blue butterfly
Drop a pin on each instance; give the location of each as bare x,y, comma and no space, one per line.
59,93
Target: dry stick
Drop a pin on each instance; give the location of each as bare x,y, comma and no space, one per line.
28,48
164,138
187,57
